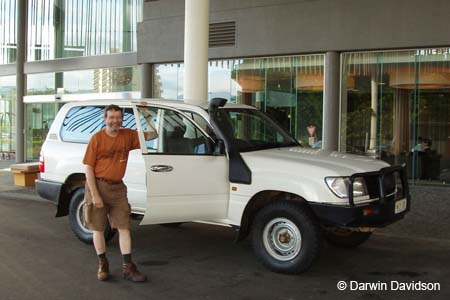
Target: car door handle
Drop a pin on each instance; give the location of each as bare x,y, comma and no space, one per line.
161,168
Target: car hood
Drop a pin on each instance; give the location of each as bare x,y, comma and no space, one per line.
313,161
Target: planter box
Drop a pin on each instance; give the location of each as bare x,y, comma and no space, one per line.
25,174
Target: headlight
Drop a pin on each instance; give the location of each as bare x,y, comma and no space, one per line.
339,186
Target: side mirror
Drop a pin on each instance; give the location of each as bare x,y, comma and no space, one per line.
219,147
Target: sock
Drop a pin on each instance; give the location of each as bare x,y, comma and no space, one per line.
126,258
102,257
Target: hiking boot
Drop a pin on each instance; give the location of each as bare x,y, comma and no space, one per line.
130,272
103,270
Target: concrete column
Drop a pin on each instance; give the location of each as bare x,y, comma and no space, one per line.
146,80
373,118
127,37
196,28
330,132
59,16
20,79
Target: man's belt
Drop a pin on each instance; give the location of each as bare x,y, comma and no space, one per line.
109,181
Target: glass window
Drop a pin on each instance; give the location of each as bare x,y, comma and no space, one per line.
8,36
176,133
81,123
69,28
168,83
396,106
252,130
41,84
128,120
39,118
85,81
202,123
7,117
289,89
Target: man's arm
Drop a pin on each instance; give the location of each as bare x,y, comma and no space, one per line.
150,135
92,184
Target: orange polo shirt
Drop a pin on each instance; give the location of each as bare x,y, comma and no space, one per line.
108,155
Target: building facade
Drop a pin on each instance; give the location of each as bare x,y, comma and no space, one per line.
365,77
390,99
74,50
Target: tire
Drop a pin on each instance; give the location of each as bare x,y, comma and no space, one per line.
346,238
172,225
76,219
301,234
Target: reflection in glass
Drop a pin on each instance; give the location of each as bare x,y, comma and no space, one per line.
396,106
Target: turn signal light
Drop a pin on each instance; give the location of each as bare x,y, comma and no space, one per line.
368,211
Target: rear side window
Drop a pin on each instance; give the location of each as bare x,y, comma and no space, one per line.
82,122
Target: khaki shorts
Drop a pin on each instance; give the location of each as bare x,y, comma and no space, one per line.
115,207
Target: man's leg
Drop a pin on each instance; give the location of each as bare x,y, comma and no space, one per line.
100,248
130,271
125,241
99,242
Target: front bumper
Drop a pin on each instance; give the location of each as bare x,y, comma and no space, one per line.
384,187
346,216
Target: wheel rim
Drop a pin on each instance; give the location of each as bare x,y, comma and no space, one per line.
79,219
282,239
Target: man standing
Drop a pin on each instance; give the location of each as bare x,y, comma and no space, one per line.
106,194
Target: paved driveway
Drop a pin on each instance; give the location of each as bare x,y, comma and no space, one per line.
40,258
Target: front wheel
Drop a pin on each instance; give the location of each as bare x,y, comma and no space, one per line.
286,237
83,233
346,238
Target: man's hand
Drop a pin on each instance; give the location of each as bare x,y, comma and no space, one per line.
97,201
91,181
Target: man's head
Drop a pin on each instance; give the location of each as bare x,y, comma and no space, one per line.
113,117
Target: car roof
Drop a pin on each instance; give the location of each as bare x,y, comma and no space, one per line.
179,104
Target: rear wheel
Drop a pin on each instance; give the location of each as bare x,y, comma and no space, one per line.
346,238
286,237
83,233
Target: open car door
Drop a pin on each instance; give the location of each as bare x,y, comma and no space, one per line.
185,181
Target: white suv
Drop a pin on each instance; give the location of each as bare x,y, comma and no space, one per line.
232,165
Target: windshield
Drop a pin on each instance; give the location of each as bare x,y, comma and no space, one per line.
252,130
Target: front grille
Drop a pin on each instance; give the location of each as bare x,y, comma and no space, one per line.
388,184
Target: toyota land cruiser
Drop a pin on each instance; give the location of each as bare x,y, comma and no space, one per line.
232,165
